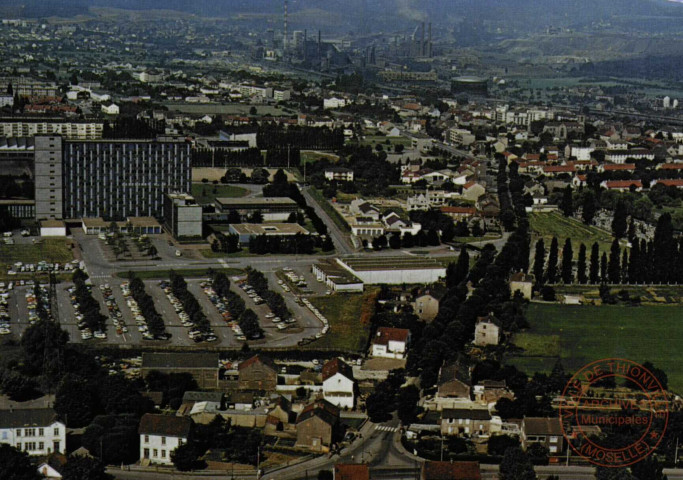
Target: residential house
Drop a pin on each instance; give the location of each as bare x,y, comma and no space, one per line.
36,431
362,208
622,185
471,420
523,283
279,413
454,381
257,373
621,156
110,109
472,191
426,306
451,471
351,471
546,431
338,383
339,174
459,213
488,392
390,342
487,331
160,435
488,206
317,426
670,182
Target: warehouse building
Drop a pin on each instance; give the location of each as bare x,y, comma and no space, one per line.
336,277
247,230
273,209
394,270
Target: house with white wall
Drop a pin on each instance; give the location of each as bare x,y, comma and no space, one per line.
390,342
160,435
36,431
338,383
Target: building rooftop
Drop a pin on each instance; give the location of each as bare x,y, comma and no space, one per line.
542,426
337,274
392,263
27,417
255,201
351,472
385,335
143,221
269,229
165,425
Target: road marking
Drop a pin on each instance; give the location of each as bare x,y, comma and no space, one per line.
385,428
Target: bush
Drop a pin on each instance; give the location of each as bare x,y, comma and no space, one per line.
548,293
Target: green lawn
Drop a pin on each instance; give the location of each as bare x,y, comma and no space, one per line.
343,311
48,249
208,192
581,334
375,139
310,156
554,224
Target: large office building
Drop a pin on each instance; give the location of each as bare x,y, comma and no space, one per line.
394,270
112,179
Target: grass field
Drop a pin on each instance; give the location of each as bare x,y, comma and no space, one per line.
208,192
343,311
578,335
186,272
554,224
375,139
329,209
310,156
48,249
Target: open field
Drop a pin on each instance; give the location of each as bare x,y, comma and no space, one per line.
343,311
554,224
208,192
49,249
649,295
381,139
186,272
580,334
310,156
329,209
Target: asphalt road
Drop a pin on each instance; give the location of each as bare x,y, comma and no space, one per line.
340,239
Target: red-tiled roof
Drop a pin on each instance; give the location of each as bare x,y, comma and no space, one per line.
386,334
334,366
674,182
351,472
460,210
321,409
165,425
623,183
257,359
671,166
559,168
619,166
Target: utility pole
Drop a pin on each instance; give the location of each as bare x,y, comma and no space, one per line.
442,446
258,462
676,456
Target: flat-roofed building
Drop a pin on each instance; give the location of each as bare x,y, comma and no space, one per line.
273,209
394,270
247,230
336,277
70,129
182,215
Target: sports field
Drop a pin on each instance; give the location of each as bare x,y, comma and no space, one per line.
581,334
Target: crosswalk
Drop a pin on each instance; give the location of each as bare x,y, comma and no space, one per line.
385,428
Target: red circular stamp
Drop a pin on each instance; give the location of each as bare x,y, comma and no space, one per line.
614,412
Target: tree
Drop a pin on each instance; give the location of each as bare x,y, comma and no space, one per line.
84,468
665,249
256,217
75,401
539,261
589,206
619,222
234,217
498,444
327,245
581,265
567,202
252,110
15,465
395,241
614,267
603,267
408,399
516,465
459,272
551,269
595,263
185,457
40,338
152,251
567,258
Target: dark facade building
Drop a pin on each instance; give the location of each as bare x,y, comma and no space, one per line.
202,366
257,373
116,179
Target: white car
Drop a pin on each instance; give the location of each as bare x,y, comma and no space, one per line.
281,326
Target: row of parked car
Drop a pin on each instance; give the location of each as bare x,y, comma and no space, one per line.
321,317
222,307
5,328
86,332
42,266
251,293
196,334
32,301
115,313
137,313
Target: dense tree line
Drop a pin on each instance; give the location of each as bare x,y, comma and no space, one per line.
272,135
155,323
435,220
423,238
273,299
226,243
190,304
657,261
246,318
294,244
87,305
205,157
